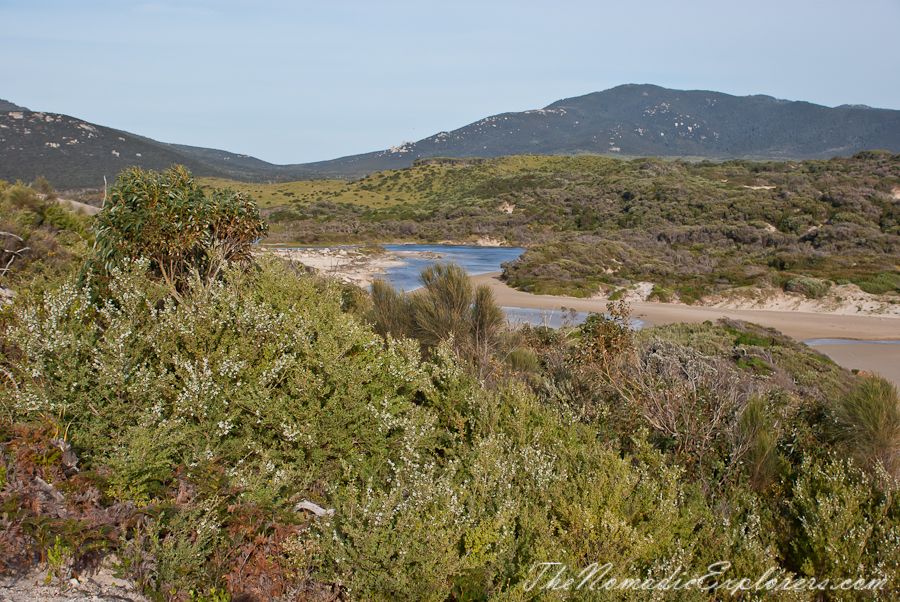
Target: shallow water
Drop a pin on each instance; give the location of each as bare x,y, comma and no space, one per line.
552,318
479,260
476,260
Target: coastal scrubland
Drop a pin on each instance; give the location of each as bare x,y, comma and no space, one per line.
214,426
595,225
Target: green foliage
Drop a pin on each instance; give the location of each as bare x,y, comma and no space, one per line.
23,197
868,418
755,365
168,218
201,423
663,295
40,240
57,557
881,283
447,308
844,525
140,472
605,337
254,372
762,455
390,310
522,360
42,185
753,339
442,310
808,287
213,595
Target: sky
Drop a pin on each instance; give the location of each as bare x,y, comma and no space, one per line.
297,82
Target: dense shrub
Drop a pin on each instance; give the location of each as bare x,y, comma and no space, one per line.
199,425
808,287
880,284
168,219
39,240
233,367
263,373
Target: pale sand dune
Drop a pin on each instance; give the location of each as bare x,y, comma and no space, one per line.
883,359
348,265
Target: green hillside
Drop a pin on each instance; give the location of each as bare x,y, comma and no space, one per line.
644,120
591,223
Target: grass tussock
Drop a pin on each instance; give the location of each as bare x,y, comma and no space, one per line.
447,308
868,419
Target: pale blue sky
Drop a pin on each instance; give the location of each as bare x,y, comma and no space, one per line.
294,82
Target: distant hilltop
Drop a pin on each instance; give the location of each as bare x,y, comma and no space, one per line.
5,105
644,120
626,121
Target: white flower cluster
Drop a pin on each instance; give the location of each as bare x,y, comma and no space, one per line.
386,417
401,361
538,464
298,434
230,368
199,389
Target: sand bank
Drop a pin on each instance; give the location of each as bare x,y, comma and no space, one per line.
883,359
349,265
800,322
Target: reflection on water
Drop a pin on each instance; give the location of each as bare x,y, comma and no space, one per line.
812,342
476,260
552,318
479,260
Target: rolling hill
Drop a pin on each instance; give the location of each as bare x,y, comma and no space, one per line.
72,153
626,121
644,120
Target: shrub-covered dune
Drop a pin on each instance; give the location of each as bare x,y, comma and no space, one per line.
252,432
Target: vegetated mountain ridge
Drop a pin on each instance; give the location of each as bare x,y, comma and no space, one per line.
5,105
646,120
630,120
244,167
73,153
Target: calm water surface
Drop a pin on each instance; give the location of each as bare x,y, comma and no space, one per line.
476,260
553,318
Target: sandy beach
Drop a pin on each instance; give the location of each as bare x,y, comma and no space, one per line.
881,359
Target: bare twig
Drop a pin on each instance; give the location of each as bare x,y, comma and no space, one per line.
314,508
14,254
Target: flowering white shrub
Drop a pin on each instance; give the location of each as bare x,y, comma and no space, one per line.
441,487
264,369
